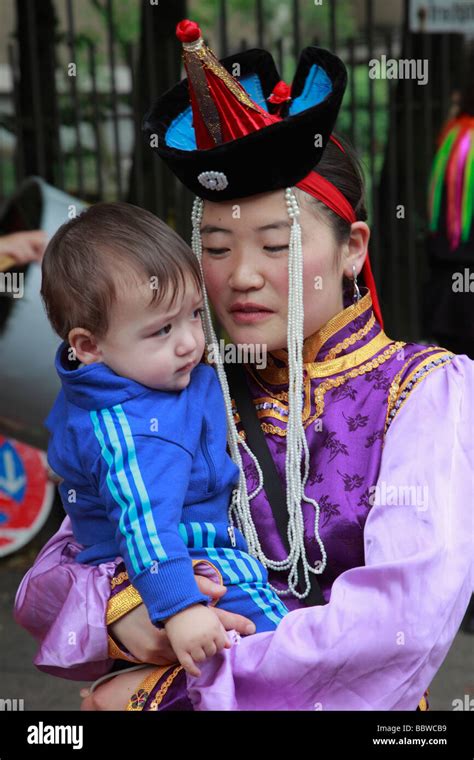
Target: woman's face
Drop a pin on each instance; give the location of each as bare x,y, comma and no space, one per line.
245,259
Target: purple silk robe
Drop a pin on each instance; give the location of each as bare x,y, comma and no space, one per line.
390,430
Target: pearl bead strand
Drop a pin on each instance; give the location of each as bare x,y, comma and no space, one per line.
239,508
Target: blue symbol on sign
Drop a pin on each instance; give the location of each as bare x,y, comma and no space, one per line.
12,473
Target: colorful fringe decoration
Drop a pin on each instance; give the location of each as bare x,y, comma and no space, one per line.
453,170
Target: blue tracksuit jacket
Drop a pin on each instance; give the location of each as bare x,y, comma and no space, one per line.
146,476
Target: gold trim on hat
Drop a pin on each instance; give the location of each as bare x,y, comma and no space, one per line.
210,61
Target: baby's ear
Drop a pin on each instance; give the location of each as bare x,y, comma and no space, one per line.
84,345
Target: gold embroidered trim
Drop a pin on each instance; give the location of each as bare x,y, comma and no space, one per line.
326,385
121,603
280,415
428,372
129,598
267,427
270,395
164,688
395,384
210,62
313,343
437,353
346,362
395,388
137,701
279,376
116,653
352,360
330,383
120,578
354,338
423,703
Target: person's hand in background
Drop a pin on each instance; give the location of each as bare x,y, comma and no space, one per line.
24,247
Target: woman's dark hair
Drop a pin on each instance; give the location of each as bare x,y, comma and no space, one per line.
342,169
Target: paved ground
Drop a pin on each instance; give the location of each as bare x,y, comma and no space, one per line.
19,678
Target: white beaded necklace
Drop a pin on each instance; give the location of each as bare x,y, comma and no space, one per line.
296,439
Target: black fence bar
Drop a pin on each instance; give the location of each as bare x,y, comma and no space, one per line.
96,119
332,25
137,123
445,54
296,29
280,57
60,175
259,12
18,155
375,257
153,84
182,198
113,94
426,106
393,268
39,123
223,28
410,209
71,41
352,88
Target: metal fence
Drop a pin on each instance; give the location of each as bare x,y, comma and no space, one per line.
88,139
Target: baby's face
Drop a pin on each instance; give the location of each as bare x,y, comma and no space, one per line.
152,344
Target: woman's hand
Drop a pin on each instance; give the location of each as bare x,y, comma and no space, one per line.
145,642
149,644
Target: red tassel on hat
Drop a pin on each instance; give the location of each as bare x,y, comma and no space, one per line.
188,31
222,109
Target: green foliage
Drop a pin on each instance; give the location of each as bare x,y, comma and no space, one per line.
277,19
126,19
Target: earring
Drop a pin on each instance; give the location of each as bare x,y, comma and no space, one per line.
356,296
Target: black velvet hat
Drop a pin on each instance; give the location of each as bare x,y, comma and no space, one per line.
229,136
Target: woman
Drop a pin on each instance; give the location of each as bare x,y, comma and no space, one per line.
380,513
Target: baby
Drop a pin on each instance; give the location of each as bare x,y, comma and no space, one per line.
138,430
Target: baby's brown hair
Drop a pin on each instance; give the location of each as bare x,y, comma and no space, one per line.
78,285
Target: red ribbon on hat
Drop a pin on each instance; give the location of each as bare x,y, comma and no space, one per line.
319,187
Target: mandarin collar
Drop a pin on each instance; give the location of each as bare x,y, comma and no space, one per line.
351,336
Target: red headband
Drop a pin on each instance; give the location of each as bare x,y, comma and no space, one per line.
316,185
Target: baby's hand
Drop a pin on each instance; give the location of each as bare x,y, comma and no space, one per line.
195,634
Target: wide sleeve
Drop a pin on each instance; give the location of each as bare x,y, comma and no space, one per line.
63,605
389,624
